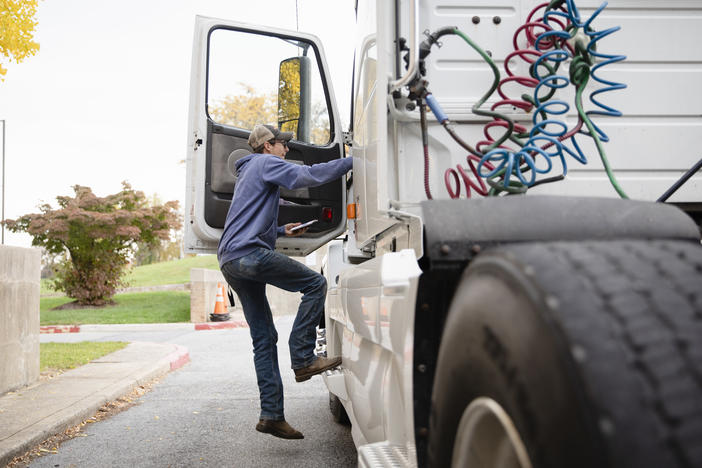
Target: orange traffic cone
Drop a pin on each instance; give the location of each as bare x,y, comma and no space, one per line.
220,311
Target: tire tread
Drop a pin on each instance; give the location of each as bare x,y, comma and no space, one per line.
643,295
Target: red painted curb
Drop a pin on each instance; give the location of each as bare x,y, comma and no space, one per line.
179,358
196,326
59,329
220,325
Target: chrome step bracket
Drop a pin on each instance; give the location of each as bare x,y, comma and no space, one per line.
384,454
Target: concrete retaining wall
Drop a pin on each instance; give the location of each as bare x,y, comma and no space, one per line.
203,292
19,316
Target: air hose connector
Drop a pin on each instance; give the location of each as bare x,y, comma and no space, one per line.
435,108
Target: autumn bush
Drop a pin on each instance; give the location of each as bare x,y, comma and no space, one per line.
99,234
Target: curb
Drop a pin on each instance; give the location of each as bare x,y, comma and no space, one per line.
60,329
52,329
177,358
221,325
79,411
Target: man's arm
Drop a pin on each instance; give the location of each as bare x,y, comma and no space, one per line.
293,176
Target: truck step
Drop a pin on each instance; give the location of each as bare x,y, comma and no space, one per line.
321,351
385,455
321,344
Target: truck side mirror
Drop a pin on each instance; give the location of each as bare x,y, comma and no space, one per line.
294,97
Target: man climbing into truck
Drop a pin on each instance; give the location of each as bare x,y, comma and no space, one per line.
248,261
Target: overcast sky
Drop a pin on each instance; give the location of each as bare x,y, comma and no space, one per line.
106,97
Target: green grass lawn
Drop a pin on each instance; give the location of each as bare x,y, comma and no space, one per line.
156,274
145,307
62,356
173,272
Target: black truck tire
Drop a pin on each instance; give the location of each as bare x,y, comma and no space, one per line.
573,354
337,410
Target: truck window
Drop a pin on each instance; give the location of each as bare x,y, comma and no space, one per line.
244,78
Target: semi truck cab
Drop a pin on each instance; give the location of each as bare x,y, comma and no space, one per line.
514,264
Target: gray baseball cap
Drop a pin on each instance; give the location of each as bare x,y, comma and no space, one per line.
263,133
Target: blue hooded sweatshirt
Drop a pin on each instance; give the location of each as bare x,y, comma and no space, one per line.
252,220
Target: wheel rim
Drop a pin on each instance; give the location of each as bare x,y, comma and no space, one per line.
486,437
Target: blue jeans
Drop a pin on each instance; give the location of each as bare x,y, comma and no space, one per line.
248,276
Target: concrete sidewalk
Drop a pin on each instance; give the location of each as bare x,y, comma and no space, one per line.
32,414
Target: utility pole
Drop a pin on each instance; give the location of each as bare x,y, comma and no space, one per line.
3,181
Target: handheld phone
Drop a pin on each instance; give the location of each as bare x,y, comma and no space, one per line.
303,225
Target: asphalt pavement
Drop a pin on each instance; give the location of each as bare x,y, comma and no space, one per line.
204,413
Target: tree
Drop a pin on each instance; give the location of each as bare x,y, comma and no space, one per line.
251,108
160,250
17,25
319,124
98,234
49,263
245,110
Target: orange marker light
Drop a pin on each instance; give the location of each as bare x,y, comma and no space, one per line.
351,211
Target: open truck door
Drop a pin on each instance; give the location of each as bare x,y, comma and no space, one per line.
242,76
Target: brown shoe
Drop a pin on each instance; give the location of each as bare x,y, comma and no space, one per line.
317,367
278,429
